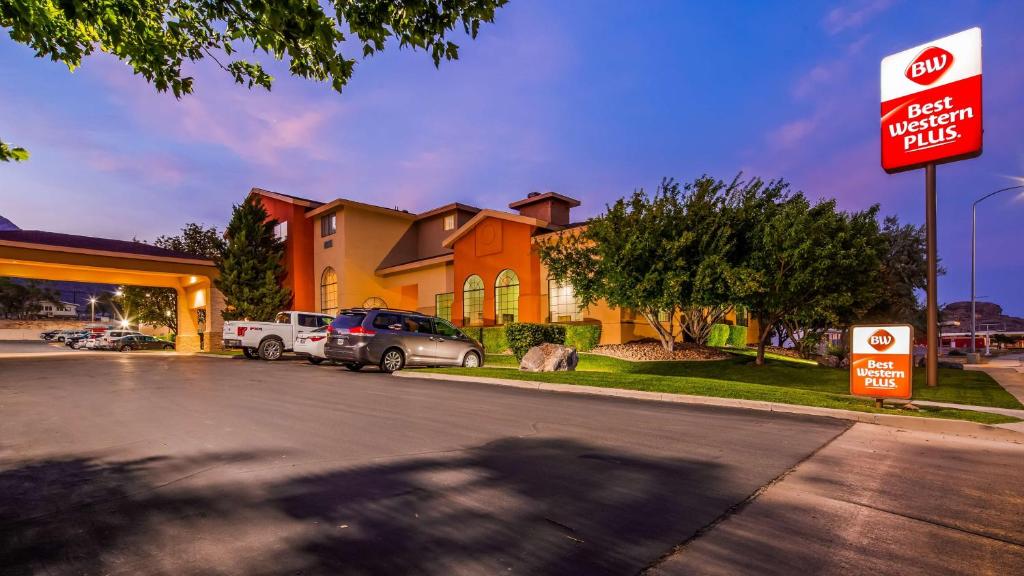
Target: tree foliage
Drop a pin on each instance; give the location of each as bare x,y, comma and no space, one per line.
9,153
805,266
654,254
22,299
194,239
904,272
251,267
149,305
157,38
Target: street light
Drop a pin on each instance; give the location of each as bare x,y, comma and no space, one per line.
974,226
92,304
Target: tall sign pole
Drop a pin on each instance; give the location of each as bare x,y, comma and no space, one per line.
931,114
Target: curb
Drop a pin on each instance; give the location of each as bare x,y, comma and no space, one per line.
934,425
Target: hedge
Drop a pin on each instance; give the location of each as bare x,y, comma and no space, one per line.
738,336
583,337
494,340
719,335
523,336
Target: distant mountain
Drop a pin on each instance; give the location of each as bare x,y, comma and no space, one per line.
6,224
990,317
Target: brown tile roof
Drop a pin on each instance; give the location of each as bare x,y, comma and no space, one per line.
91,243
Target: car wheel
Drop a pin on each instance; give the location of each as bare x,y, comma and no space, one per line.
314,360
271,349
472,360
126,348
250,353
392,361
353,366
168,347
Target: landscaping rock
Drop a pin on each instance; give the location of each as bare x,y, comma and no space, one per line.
550,358
645,350
828,361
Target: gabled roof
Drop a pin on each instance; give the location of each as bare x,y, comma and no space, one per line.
572,202
345,203
447,208
488,213
284,197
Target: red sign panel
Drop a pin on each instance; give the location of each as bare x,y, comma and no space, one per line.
931,103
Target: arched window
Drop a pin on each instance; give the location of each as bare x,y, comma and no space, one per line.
329,291
506,297
473,301
375,302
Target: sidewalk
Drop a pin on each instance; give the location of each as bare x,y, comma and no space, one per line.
1003,432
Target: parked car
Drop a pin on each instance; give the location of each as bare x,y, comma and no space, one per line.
140,342
48,335
89,342
311,345
62,335
394,339
269,340
107,339
72,340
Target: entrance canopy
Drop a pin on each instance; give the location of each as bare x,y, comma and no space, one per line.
40,255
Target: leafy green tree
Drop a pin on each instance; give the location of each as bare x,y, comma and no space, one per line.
23,299
194,239
803,265
251,268
666,253
149,305
9,153
157,38
904,272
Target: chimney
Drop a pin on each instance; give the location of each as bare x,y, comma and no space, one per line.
550,207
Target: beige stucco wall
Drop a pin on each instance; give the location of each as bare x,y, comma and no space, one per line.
428,281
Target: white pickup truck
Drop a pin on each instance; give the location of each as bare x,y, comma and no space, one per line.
269,340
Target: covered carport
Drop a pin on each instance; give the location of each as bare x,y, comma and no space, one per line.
39,255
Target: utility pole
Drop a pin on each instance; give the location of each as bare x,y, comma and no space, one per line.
974,234
932,358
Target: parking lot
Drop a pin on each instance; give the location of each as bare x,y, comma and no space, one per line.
133,463
154,463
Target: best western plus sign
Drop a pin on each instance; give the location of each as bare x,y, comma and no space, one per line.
931,102
881,363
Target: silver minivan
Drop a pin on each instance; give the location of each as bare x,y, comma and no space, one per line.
394,339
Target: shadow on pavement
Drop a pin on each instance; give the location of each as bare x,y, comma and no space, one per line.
516,505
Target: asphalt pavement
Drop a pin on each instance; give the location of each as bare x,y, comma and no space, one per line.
140,464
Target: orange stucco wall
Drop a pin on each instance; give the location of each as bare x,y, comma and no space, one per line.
492,246
298,251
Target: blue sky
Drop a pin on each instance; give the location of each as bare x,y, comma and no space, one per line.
589,98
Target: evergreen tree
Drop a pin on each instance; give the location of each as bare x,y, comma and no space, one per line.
251,268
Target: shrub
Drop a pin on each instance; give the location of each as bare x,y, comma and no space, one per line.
583,337
738,336
522,336
719,335
494,340
474,332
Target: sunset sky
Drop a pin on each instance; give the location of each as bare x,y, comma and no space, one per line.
588,98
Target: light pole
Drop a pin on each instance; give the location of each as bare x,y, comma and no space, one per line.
92,305
974,229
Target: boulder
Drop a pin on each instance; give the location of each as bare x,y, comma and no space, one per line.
550,358
829,361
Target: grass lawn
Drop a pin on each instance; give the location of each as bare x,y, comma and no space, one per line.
783,380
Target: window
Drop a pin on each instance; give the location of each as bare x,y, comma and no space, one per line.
418,324
506,297
742,316
283,318
328,224
328,291
281,231
473,301
309,320
664,316
374,302
443,305
443,328
562,302
386,321
449,222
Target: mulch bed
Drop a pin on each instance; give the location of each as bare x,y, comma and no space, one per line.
651,350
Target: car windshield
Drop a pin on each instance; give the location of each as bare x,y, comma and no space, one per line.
348,319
